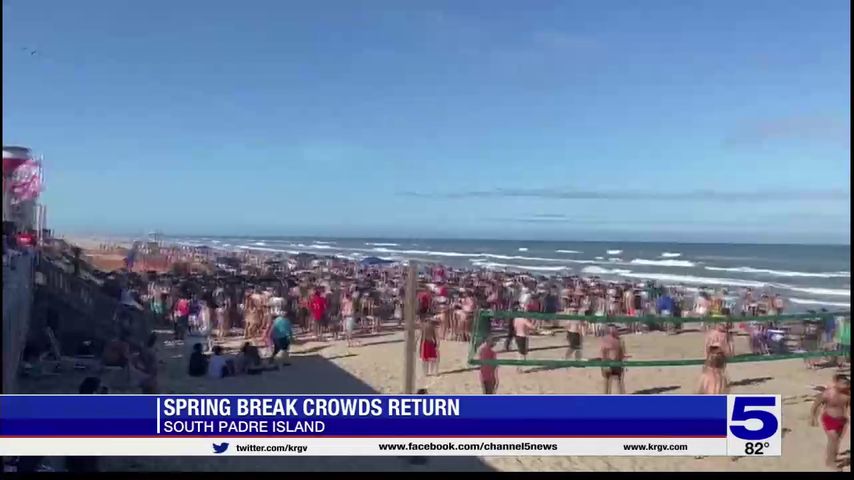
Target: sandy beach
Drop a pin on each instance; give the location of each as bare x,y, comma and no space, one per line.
376,367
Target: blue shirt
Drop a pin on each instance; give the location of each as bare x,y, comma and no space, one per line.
665,303
282,328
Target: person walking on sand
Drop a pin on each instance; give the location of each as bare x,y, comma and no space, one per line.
522,326
488,373
429,348
834,403
348,317
713,379
613,349
318,306
719,337
282,334
573,338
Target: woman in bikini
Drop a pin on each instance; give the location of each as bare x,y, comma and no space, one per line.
429,348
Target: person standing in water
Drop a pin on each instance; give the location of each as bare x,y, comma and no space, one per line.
834,403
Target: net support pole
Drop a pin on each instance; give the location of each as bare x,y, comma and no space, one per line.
409,319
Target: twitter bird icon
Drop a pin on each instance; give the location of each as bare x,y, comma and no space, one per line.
220,448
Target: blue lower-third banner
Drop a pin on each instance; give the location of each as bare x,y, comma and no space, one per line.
390,425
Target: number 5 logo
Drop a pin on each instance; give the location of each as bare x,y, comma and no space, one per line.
740,413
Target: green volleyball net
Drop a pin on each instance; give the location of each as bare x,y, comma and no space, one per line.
785,336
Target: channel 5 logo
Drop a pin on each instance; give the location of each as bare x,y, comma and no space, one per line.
754,418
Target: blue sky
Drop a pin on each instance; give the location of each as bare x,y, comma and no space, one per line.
653,120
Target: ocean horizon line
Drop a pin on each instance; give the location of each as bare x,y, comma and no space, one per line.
440,238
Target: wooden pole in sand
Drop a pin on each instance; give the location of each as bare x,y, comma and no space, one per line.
409,314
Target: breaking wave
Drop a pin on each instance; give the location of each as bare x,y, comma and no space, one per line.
692,280
781,273
663,263
805,301
834,292
594,270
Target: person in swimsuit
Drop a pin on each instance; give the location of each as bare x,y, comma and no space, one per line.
835,407
614,349
488,373
429,348
349,318
521,328
713,380
719,337
573,339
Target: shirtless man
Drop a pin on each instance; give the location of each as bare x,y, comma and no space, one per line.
719,337
521,328
713,380
614,349
573,338
835,406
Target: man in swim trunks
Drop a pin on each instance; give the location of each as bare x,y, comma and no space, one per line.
521,328
573,338
614,349
348,315
835,405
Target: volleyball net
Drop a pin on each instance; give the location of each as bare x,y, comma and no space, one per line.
785,336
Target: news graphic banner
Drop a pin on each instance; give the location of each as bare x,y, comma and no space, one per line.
381,425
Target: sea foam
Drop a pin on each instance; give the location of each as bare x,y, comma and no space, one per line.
805,301
692,280
663,263
781,273
834,292
532,268
594,270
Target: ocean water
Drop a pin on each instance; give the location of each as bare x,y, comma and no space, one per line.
809,276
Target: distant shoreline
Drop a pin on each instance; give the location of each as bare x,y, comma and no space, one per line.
140,236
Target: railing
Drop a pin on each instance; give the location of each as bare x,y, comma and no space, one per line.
104,315
17,310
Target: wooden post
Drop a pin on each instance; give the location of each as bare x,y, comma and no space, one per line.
409,314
